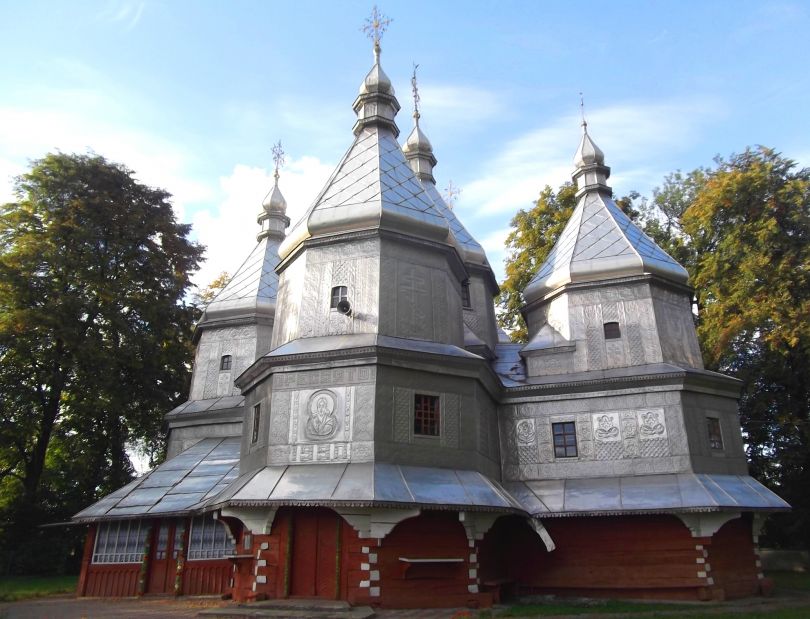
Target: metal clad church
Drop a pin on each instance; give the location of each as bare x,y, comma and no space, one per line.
358,429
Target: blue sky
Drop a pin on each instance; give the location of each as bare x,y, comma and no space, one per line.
192,95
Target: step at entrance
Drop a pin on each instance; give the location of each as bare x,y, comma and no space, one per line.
291,609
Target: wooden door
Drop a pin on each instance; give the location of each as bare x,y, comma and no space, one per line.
163,556
315,553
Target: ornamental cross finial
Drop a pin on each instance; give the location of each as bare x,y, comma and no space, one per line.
582,112
278,157
416,98
375,27
451,194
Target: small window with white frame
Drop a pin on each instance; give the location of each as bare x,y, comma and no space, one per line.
121,541
209,539
225,363
339,293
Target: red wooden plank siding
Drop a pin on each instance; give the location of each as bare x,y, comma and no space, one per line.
211,577
732,560
432,535
639,556
112,580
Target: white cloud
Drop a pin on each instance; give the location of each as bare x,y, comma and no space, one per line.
123,12
637,140
81,123
229,232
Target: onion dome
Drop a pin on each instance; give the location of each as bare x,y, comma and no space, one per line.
274,201
376,104
588,153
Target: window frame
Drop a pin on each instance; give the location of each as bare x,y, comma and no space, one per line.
431,416
716,442
466,298
213,541
257,417
338,294
225,363
132,543
608,330
568,429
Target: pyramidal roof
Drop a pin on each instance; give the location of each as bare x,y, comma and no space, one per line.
599,241
419,152
373,186
253,288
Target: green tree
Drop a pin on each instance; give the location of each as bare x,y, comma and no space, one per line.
532,238
749,229
94,332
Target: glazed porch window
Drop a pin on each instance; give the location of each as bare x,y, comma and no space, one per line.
426,415
339,293
208,539
122,541
225,362
715,435
565,439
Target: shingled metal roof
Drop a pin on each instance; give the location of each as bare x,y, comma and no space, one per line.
252,288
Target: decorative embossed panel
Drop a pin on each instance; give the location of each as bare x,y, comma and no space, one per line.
606,428
651,424
403,406
450,420
323,415
414,308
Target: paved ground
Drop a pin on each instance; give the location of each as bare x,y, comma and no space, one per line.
66,607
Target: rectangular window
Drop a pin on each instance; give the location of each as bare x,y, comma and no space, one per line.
465,295
122,541
257,416
339,293
612,331
225,362
565,439
715,435
426,415
209,539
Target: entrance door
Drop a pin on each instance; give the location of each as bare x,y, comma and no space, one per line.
163,559
315,553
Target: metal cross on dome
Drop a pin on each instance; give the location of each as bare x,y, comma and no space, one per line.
278,156
416,97
376,25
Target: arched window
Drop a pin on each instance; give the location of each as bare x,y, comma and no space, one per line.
612,331
339,293
225,362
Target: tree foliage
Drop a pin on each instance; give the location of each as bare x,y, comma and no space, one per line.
532,238
94,332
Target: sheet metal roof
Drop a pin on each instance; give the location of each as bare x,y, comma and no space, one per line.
370,483
180,485
675,492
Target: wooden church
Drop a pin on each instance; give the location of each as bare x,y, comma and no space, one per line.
358,429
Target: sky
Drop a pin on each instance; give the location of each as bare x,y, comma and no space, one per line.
192,95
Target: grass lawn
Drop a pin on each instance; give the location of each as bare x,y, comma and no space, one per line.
14,588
